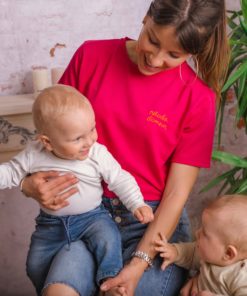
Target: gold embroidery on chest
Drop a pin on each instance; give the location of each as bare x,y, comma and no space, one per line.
159,119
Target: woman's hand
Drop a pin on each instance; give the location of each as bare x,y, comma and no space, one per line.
125,283
118,291
49,188
190,288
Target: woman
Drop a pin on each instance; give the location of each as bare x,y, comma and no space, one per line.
157,117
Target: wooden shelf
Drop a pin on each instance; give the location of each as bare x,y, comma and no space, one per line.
17,104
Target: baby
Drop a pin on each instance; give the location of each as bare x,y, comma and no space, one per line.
220,250
66,142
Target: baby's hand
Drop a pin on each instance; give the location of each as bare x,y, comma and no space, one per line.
144,214
167,251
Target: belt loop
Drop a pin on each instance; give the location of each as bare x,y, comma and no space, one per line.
65,222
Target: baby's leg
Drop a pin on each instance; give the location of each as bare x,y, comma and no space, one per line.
59,289
104,241
72,269
48,238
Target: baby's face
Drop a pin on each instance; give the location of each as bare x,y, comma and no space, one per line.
74,134
208,239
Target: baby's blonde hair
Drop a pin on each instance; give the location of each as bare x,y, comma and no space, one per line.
232,209
53,102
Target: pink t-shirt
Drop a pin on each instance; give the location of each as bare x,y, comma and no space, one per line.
146,122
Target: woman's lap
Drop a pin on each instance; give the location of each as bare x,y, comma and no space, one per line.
76,267
161,283
154,281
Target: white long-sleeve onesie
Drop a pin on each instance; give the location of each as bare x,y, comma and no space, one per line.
99,165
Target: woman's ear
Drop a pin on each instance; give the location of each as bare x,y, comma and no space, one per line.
230,253
45,141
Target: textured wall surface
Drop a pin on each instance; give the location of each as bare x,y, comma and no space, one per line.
46,33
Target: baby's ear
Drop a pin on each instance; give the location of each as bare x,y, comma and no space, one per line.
230,253
45,141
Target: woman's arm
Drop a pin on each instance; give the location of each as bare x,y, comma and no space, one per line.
49,189
179,185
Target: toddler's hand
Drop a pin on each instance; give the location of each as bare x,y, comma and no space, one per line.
167,251
144,214
205,293
190,288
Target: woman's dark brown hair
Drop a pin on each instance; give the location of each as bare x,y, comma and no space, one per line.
201,30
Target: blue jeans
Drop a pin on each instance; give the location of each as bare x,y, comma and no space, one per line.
76,268
97,230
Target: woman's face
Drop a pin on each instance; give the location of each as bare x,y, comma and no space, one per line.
157,48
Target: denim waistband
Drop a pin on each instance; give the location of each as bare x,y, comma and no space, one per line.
65,220
115,203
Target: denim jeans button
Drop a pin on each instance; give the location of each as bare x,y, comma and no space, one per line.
115,202
118,219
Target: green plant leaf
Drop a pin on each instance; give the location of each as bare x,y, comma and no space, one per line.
242,69
230,159
234,188
242,84
243,25
220,115
244,174
242,188
244,9
242,109
219,179
223,187
235,179
231,24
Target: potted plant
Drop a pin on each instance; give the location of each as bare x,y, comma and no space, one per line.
235,179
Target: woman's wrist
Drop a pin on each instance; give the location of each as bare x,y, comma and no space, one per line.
139,264
143,256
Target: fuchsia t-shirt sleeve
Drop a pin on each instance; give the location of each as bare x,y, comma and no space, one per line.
196,140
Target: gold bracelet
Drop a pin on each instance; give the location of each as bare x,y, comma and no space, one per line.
144,256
